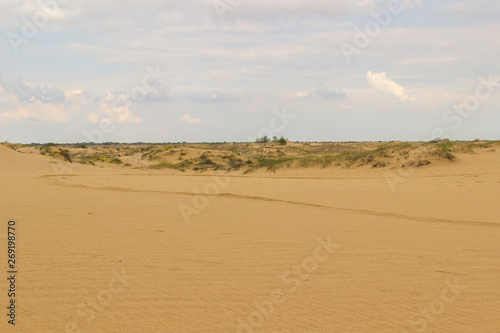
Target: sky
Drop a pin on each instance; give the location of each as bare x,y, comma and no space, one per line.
233,70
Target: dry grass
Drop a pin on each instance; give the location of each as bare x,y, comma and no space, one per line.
249,157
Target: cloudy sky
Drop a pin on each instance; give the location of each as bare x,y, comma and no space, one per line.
232,70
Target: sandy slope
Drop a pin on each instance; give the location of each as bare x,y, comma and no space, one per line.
109,250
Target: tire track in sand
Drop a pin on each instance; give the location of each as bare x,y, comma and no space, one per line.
297,203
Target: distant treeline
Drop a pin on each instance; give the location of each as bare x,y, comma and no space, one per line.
259,140
84,144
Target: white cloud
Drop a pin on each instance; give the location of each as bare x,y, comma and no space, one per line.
38,111
213,96
117,108
279,49
92,117
188,119
322,91
30,94
120,114
381,83
162,94
25,101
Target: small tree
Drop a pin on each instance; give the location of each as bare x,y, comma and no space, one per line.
264,139
282,141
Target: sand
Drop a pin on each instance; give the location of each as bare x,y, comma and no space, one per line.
298,250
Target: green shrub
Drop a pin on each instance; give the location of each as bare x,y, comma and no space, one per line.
264,139
273,163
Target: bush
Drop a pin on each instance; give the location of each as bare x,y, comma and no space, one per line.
235,164
207,161
65,153
273,163
165,165
264,139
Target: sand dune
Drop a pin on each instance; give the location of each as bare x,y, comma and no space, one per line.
365,249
